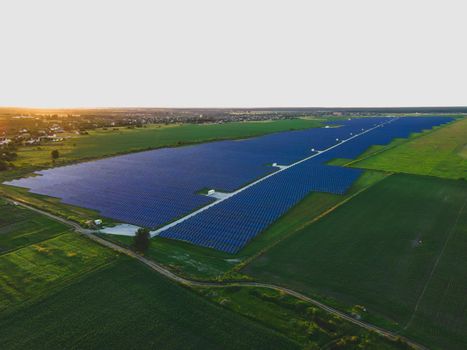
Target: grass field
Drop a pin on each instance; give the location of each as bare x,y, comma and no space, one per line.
397,245
441,153
203,263
126,306
310,326
20,227
31,272
100,143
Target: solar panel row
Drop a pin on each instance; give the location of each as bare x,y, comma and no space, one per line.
229,225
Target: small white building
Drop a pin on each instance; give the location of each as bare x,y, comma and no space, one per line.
98,222
4,141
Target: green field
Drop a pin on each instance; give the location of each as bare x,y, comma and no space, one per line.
30,272
202,263
441,153
126,306
381,250
20,227
54,291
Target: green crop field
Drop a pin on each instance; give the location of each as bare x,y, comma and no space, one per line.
398,249
441,153
30,272
125,306
20,227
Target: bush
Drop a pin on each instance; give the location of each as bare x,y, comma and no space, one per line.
3,165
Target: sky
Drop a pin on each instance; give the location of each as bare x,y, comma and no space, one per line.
174,53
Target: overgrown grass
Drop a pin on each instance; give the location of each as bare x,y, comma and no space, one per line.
379,250
308,325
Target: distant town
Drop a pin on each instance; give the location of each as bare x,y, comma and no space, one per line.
36,127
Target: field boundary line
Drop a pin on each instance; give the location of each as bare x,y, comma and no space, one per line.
192,283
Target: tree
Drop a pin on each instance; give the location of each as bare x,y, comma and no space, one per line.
55,154
142,240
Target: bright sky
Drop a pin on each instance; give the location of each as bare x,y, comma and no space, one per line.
235,53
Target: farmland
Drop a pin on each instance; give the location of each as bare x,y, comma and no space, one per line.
20,227
65,275
55,291
72,286
381,250
441,153
30,272
126,306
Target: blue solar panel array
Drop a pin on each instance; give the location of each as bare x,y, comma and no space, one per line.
229,225
155,187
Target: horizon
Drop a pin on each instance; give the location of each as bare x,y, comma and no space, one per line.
238,108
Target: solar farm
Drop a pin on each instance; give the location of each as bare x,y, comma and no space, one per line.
258,179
